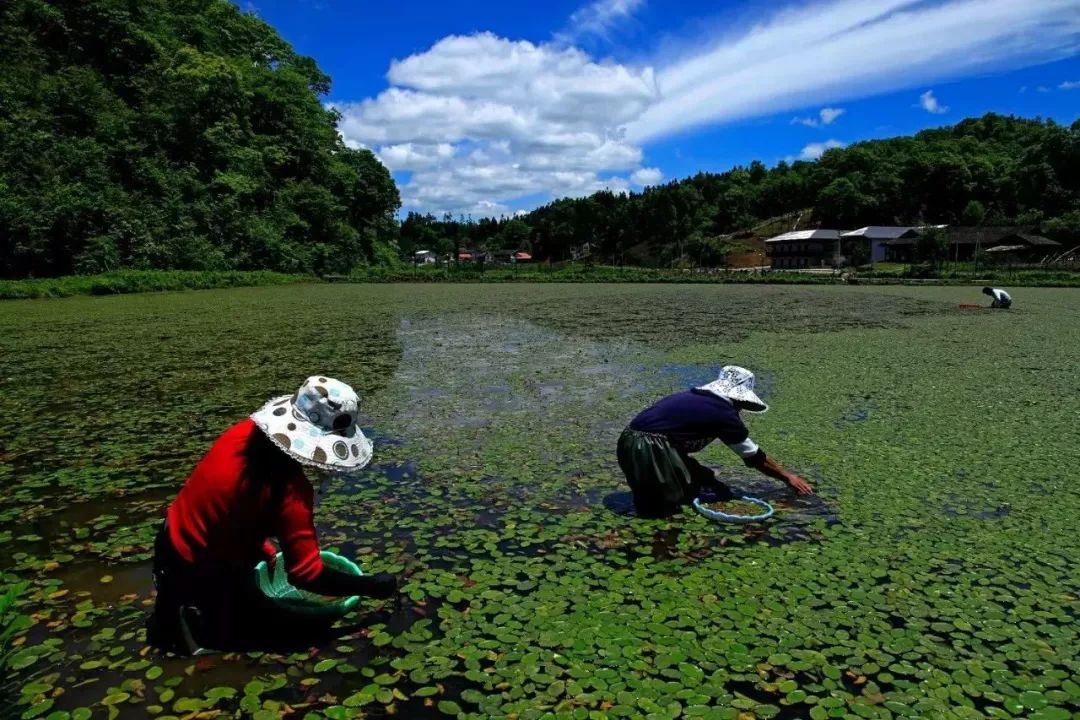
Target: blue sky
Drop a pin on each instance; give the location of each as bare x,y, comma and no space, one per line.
486,107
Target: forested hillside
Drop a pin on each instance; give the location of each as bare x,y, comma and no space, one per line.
998,170
174,134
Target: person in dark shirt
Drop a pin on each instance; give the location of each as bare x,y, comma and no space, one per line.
654,450
250,486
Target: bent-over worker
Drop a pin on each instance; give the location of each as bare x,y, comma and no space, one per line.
1001,299
654,450
250,486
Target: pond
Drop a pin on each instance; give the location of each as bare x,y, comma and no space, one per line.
935,574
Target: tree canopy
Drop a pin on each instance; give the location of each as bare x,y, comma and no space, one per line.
174,134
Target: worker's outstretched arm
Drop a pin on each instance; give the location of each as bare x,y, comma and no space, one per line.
767,466
338,584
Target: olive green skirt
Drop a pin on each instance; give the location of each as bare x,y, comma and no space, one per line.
662,477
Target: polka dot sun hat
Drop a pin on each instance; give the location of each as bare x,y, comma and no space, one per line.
317,425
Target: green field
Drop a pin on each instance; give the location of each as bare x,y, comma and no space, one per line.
937,574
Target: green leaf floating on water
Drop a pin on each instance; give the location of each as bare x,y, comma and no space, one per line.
38,709
449,707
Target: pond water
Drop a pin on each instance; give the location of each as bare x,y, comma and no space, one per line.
933,576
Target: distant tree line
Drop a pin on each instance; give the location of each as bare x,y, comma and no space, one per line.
179,134
995,170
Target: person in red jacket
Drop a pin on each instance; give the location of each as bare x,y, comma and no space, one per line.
250,487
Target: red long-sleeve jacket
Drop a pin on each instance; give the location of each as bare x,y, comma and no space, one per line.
244,491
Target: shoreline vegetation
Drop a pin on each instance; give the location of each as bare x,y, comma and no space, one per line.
142,281
124,282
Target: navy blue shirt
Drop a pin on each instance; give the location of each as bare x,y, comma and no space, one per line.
693,419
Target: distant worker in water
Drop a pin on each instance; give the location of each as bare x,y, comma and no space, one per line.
250,487
1001,299
654,450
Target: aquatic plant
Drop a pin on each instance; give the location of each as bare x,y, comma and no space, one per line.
933,576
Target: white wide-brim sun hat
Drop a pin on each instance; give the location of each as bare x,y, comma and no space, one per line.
737,384
318,425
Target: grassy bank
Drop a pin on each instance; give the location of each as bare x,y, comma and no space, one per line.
136,281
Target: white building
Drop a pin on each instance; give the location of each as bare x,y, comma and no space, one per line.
879,235
424,257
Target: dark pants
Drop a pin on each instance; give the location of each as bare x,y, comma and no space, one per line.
662,477
221,606
223,609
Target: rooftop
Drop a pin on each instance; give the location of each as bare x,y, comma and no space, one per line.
881,232
806,235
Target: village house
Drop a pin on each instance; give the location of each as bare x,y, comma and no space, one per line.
878,236
964,242
424,257
803,249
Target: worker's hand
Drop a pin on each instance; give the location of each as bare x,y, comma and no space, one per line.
799,485
382,586
270,553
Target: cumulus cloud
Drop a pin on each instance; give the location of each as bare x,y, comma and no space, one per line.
646,176
813,151
847,49
1069,85
930,104
826,116
413,156
482,119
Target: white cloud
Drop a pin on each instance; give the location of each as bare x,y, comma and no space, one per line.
646,176
813,151
826,116
931,104
412,156
1069,85
598,18
1043,89
844,49
482,119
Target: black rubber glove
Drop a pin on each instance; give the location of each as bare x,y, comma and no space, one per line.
338,584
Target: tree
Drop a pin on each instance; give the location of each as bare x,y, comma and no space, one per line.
932,247
841,204
164,134
514,235
973,213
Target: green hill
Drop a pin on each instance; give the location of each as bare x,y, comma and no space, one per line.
177,134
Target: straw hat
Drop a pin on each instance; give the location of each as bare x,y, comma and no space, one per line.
737,384
317,425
